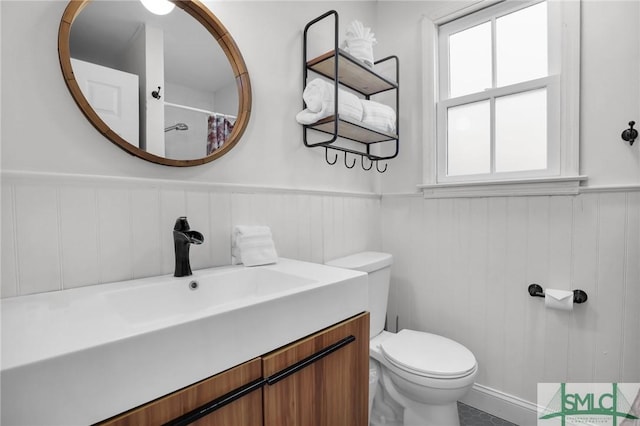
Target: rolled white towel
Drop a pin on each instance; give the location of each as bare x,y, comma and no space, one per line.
379,116
317,93
318,96
253,246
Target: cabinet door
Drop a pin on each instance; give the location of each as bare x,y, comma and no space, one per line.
329,390
244,411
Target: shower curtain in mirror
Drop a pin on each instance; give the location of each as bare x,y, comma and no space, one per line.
219,129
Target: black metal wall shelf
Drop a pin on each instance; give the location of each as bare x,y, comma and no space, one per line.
351,73
345,70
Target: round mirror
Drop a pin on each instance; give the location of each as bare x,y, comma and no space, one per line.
172,89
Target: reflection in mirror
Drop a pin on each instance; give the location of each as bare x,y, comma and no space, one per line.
163,85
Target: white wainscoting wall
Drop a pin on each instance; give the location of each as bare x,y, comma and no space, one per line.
64,231
462,268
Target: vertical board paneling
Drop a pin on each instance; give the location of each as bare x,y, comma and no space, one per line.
38,235
173,204
309,228
333,227
396,244
630,367
219,243
9,262
79,236
537,272
97,231
608,337
425,286
557,322
515,333
444,268
354,215
115,236
584,274
198,215
404,295
478,261
590,241
462,279
286,215
146,231
414,245
495,294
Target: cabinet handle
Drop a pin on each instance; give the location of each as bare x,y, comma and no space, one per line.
216,404
294,368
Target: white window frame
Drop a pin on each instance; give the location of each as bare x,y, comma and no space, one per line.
563,86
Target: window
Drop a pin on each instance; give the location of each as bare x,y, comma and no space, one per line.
506,86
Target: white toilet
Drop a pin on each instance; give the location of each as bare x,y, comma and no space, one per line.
420,375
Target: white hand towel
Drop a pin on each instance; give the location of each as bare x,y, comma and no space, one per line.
359,42
253,246
319,95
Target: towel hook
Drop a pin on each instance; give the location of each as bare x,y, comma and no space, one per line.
326,157
362,163
156,93
383,170
345,162
630,134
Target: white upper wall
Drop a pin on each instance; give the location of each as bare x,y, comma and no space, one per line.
43,130
610,88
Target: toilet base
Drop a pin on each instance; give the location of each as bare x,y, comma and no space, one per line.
393,408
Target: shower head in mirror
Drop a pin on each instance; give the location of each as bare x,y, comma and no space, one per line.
177,126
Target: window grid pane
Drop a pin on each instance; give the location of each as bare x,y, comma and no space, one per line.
521,45
521,131
469,139
470,63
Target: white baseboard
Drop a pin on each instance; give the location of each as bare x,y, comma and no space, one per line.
508,407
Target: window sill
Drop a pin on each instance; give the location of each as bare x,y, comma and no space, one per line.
505,188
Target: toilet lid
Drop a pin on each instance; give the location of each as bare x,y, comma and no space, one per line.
428,354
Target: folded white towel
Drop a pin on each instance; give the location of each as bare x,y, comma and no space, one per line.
318,96
379,116
359,42
253,246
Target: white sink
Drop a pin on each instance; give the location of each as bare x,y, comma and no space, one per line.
82,355
206,291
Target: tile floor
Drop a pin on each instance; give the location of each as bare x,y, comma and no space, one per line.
470,416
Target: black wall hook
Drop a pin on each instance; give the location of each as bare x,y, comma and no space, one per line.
345,162
326,157
383,170
630,134
362,163
156,93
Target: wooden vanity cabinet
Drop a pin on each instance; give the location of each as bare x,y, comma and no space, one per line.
320,380
329,390
245,411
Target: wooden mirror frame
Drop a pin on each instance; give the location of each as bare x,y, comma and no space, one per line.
205,17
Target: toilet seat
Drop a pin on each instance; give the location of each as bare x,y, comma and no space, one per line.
428,355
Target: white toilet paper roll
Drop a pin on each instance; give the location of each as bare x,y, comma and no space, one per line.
558,299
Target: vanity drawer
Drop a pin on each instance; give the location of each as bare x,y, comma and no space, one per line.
244,411
321,380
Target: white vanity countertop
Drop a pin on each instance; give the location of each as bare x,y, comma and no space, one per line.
82,355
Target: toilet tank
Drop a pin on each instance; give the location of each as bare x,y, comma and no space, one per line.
378,266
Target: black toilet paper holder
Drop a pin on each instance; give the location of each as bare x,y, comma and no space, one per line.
535,290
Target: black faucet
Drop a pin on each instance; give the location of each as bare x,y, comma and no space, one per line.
183,237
